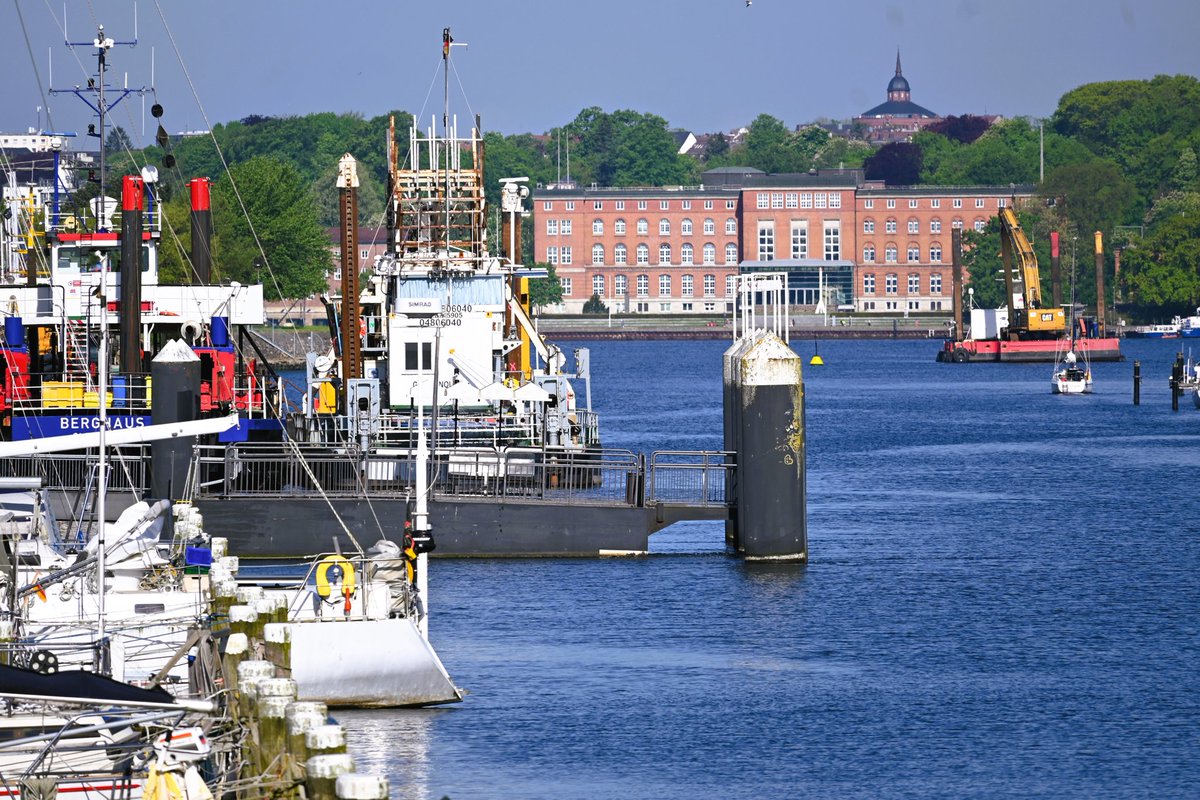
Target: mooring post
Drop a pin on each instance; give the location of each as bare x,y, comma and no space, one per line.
1176,381
772,521
1137,383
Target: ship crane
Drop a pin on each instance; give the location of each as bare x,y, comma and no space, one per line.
1027,319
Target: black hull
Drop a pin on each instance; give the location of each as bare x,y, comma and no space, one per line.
281,528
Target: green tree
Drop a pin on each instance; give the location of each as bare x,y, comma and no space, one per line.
545,291
279,230
1094,196
595,305
1163,269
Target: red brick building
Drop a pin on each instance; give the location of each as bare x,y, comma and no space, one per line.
676,249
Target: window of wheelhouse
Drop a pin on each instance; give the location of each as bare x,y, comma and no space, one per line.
411,363
86,259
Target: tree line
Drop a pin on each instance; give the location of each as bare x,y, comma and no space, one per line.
1119,157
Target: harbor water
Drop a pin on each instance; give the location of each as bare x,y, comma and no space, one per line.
1001,602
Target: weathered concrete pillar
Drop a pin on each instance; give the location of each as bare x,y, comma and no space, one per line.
772,520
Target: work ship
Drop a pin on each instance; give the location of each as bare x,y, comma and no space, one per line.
433,351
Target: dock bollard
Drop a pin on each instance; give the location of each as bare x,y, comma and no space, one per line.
304,716
1137,383
361,786
277,641
1176,381
236,648
325,740
274,697
244,619
323,772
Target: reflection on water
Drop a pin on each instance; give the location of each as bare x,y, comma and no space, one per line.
395,743
1000,602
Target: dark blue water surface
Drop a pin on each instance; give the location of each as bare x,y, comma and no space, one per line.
1002,601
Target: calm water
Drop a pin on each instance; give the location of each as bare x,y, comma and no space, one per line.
1002,602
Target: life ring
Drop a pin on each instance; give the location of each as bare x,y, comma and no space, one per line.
343,573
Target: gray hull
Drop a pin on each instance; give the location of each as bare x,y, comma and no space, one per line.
258,527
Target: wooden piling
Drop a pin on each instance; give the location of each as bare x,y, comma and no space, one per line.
323,772
274,696
325,740
361,786
304,716
1137,383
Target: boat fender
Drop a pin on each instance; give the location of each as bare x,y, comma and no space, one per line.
191,329
960,355
335,571
410,555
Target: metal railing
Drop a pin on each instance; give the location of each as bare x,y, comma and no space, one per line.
693,478
592,477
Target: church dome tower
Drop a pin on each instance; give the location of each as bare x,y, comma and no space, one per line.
898,86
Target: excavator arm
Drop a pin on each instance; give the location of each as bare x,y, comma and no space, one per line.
1023,285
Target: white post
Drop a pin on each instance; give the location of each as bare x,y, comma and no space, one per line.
421,523
102,467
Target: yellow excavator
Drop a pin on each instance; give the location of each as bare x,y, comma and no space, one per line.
1027,319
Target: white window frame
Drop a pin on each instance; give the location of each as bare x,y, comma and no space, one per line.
566,255
914,283
597,227
799,238
643,254
869,283
620,285
731,255
730,227
766,240
832,239
710,285
687,286
598,284
621,254
709,253
686,253
619,227
891,284
552,227
598,250
664,227
664,285
643,285
685,227
935,283
664,254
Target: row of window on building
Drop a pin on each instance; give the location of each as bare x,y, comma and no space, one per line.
780,200
642,205
687,285
620,254
891,225
557,227
891,283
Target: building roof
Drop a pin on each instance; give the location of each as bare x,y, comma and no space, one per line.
898,108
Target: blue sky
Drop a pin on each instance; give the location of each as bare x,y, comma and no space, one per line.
530,65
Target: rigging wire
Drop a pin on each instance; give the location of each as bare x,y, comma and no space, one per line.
33,63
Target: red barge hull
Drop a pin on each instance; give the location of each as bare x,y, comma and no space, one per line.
1035,351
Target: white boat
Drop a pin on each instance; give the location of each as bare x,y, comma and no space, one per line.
82,735
1070,377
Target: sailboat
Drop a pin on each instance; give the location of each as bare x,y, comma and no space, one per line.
1069,376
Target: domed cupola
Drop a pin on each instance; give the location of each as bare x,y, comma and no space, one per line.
898,87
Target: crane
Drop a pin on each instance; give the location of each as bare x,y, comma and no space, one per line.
1027,319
